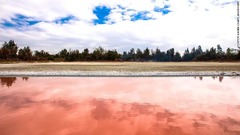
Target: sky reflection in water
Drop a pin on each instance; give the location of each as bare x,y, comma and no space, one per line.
119,106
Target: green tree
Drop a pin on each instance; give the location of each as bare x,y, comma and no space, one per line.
146,54
9,50
212,53
98,53
139,54
157,55
63,54
73,55
41,55
86,55
177,56
193,53
229,54
131,54
220,53
112,55
219,50
25,54
125,56
186,55
199,50
228,51
170,54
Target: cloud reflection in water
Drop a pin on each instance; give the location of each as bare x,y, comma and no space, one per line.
100,106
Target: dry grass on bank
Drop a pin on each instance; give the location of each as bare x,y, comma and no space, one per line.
122,66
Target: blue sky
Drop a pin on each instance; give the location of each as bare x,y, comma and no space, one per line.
56,24
19,21
102,13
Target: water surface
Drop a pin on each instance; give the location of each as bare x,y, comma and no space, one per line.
119,106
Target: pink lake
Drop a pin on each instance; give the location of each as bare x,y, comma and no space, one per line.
119,106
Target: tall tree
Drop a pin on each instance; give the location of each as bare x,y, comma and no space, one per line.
25,53
73,55
146,54
199,50
177,56
125,56
63,53
131,54
139,54
112,55
219,50
170,54
228,51
186,55
85,54
9,50
41,55
157,55
98,53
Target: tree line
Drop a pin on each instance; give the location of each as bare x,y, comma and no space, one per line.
9,51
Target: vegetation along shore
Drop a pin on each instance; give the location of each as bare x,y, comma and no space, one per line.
101,62
9,51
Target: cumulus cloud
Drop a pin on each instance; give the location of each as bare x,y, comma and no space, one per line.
56,24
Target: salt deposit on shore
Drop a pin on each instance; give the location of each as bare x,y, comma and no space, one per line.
117,73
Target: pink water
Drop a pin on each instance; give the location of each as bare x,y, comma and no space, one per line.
120,106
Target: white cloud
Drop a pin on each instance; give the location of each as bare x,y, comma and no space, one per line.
202,22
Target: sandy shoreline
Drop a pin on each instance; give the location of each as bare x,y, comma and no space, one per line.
121,69
116,73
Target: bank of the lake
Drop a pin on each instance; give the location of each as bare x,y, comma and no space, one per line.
121,69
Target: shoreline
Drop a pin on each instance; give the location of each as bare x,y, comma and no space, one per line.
121,69
115,73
